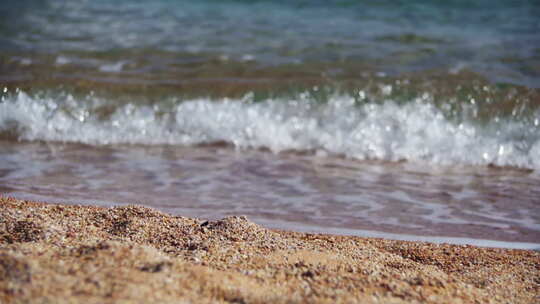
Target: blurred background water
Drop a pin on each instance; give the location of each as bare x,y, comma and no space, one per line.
498,39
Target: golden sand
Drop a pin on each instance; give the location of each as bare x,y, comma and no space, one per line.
132,254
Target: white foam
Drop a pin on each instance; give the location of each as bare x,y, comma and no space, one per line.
62,60
416,131
113,67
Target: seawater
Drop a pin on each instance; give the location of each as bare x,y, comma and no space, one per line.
497,38
416,131
410,117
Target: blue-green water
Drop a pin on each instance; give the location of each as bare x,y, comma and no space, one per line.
498,39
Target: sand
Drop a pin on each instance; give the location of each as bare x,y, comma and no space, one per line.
131,254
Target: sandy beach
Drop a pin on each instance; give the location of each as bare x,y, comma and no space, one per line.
269,151
53,253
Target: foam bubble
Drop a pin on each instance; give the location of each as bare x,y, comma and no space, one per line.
62,60
416,131
113,67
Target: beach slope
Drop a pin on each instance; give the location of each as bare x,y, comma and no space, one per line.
53,253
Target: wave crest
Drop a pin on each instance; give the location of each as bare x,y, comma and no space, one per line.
415,131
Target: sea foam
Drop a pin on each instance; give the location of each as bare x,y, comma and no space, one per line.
416,131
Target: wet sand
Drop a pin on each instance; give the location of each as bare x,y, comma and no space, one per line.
82,254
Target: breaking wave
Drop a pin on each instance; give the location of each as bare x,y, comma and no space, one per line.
415,131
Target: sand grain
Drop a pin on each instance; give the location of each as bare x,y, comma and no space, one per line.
132,254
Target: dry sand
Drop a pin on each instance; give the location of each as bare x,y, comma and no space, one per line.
82,254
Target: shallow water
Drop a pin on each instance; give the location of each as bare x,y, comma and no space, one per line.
283,190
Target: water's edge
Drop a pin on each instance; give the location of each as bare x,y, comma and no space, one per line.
397,236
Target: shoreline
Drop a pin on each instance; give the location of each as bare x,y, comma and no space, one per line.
303,227
51,253
396,236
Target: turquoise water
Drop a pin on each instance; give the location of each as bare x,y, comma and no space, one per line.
416,117
498,39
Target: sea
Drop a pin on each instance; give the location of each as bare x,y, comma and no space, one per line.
415,120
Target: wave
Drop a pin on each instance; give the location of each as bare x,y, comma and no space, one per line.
414,131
